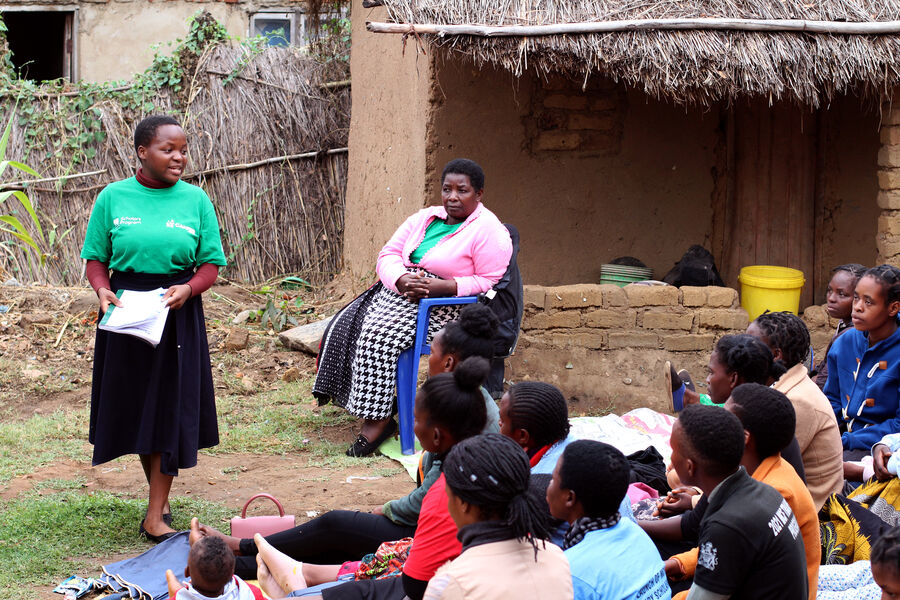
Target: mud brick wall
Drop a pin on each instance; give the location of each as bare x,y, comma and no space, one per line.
887,238
606,346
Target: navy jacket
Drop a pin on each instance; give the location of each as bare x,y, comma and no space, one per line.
864,387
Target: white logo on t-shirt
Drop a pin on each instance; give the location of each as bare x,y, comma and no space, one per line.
126,221
172,223
707,558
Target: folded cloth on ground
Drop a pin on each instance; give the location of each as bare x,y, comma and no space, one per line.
144,576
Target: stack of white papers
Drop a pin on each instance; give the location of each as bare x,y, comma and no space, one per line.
142,314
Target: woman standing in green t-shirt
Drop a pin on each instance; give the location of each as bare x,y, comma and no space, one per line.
154,230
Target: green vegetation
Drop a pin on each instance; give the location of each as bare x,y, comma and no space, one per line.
41,440
45,539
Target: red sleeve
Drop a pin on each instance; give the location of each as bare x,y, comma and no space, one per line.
97,274
434,542
203,279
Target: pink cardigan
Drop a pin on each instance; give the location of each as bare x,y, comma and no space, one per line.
476,255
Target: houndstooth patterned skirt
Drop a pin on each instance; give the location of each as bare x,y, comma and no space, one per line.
357,363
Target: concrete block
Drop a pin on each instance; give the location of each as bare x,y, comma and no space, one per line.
686,342
613,295
711,318
888,179
305,338
651,295
889,223
889,199
890,134
566,101
606,318
815,316
564,319
889,156
693,296
633,339
589,121
721,296
534,296
579,295
659,319
558,141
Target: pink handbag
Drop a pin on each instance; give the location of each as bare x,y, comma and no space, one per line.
244,526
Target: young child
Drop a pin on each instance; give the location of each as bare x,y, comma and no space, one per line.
609,555
211,569
839,304
864,365
817,431
885,560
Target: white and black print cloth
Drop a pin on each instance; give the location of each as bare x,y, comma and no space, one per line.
360,349
585,525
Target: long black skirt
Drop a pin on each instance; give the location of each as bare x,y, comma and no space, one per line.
147,400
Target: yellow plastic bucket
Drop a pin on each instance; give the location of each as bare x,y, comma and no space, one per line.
765,287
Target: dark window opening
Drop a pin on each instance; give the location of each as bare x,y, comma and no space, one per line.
41,43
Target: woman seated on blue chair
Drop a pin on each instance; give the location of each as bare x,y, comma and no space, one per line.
459,248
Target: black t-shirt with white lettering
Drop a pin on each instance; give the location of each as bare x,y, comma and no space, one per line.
750,543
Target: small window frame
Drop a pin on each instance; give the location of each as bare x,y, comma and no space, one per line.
289,16
70,45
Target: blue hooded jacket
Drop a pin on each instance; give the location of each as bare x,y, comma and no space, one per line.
864,387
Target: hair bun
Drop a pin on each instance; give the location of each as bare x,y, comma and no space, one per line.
471,373
479,321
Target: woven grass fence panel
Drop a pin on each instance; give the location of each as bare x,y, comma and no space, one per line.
267,140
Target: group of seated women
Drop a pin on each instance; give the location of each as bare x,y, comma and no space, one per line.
509,505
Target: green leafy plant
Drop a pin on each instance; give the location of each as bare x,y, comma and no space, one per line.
31,242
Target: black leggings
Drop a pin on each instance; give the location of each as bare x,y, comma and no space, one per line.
335,537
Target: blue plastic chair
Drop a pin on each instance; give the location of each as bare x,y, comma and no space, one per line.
408,367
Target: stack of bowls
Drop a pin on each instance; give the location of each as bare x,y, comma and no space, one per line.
621,275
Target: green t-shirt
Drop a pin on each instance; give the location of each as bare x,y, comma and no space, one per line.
435,232
143,230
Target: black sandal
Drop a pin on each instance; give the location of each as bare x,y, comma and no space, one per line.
363,447
155,538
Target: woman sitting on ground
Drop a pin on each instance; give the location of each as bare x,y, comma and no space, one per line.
449,408
341,535
457,249
839,305
817,432
864,365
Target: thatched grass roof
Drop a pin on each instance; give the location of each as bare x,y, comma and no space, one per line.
696,66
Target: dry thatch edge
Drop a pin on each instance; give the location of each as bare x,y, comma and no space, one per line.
18,185
717,24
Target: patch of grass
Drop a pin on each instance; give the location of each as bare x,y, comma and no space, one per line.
275,422
44,539
61,484
41,440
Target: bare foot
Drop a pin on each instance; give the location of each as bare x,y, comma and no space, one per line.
172,582
199,530
286,572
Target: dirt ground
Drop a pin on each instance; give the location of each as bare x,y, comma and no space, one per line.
46,343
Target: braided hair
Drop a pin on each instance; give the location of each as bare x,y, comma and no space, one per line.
146,129
492,472
855,270
787,332
767,414
472,334
454,400
747,356
886,550
541,410
888,277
